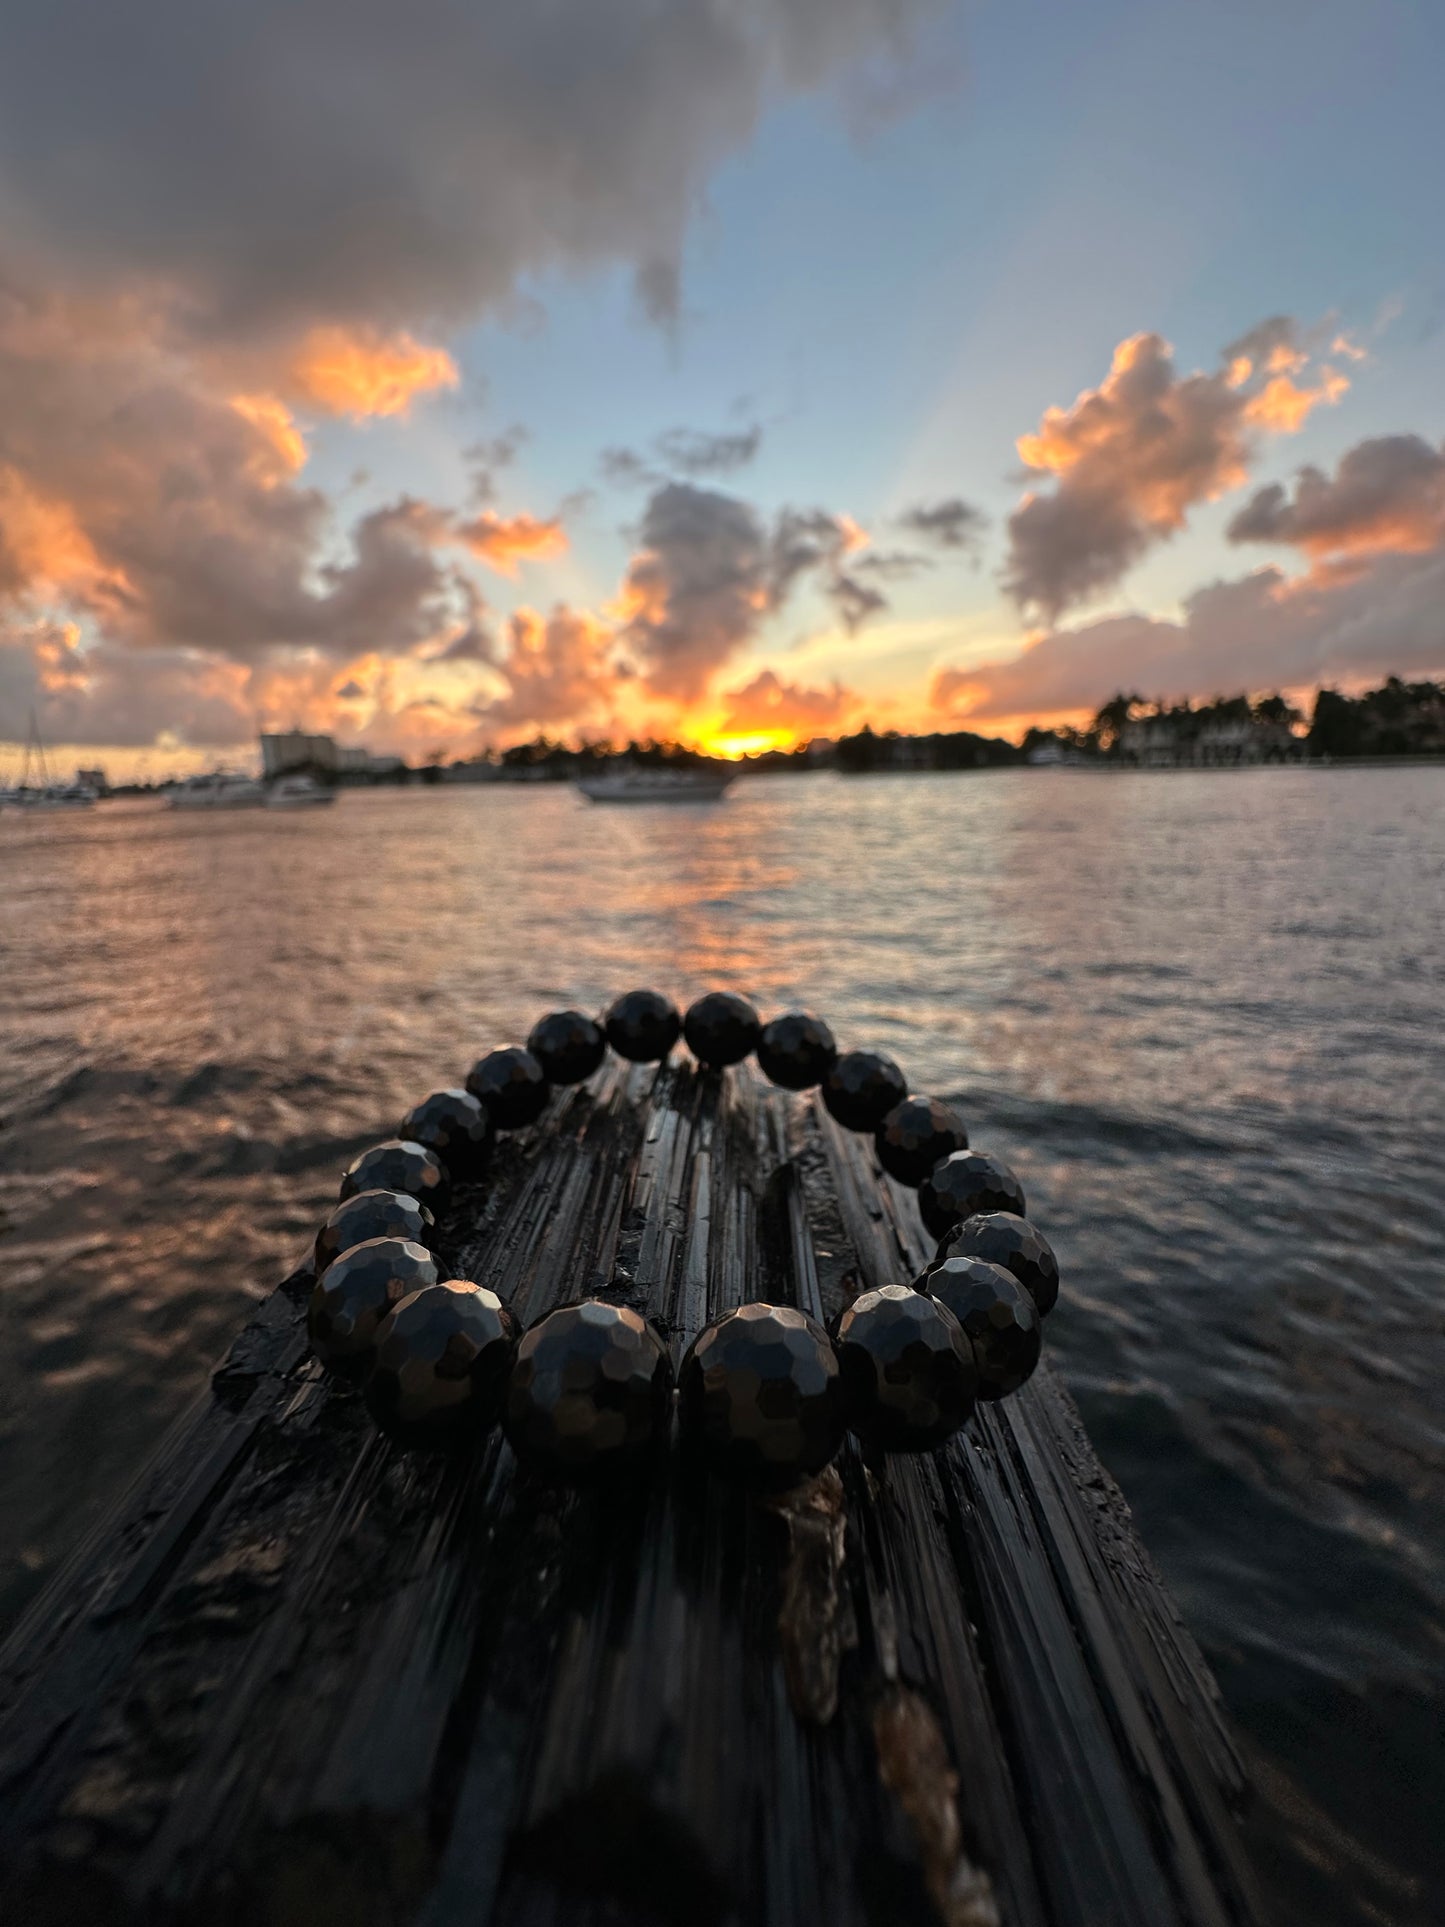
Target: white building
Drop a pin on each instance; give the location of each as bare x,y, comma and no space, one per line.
293,749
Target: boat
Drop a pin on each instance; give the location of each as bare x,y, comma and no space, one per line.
44,793
298,793
218,789
665,785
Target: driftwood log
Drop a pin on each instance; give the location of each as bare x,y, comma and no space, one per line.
303,1677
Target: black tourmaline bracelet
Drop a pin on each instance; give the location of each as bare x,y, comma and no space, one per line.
763,1393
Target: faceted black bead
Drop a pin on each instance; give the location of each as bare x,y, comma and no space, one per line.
761,1395
965,1184
358,1291
797,1050
454,1125
399,1164
862,1088
998,1317
643,1026
721,1028
567,1045
372,1214
1000,1238
440,1365
512,1085
591,1390
908,1369
915,1135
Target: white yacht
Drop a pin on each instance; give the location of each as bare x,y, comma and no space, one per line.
218,789
662,785
298,793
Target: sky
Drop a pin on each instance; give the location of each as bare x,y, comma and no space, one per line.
727,370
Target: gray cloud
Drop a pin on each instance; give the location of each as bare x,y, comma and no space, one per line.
855,601
315,157
892,565
709,570
1387,493
692,452
952,524
697,589
489,456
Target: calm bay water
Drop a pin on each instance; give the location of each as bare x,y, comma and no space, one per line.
1201,1014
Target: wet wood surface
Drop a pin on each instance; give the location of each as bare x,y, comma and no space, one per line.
301,1676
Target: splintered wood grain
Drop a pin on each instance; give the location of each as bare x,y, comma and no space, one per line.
302,1676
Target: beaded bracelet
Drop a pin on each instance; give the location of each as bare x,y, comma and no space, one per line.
763,1393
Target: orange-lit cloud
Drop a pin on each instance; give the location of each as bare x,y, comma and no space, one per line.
502,541
361,373
1130,459
768,712
283,451
43,546
1283,406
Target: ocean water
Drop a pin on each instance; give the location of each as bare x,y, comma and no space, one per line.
1200,1013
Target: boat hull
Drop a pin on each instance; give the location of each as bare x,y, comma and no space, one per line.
638,789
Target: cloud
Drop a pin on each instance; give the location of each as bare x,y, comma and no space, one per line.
1262,631
698,588
767,705
361,373
105,696
1131,458
309,159
691,451
559,671
502,541
489,455
855,601
892,565
1388,493
952,524
164,513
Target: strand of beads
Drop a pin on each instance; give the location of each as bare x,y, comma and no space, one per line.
763,1393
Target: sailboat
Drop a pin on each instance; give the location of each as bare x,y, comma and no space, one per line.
37,789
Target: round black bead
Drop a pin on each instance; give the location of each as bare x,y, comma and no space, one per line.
908,1369
358,1291
454,1125
761,1396
567,1045
862,1088
440,1365
1000,1238
399,1164
998,1318
372,1214
721,1028
915,1135
797,1050
512,1085
965,1184
643,1026
591,1390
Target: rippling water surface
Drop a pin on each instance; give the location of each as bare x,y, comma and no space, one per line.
1202,1014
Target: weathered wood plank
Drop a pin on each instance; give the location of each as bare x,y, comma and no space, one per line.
301,1676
